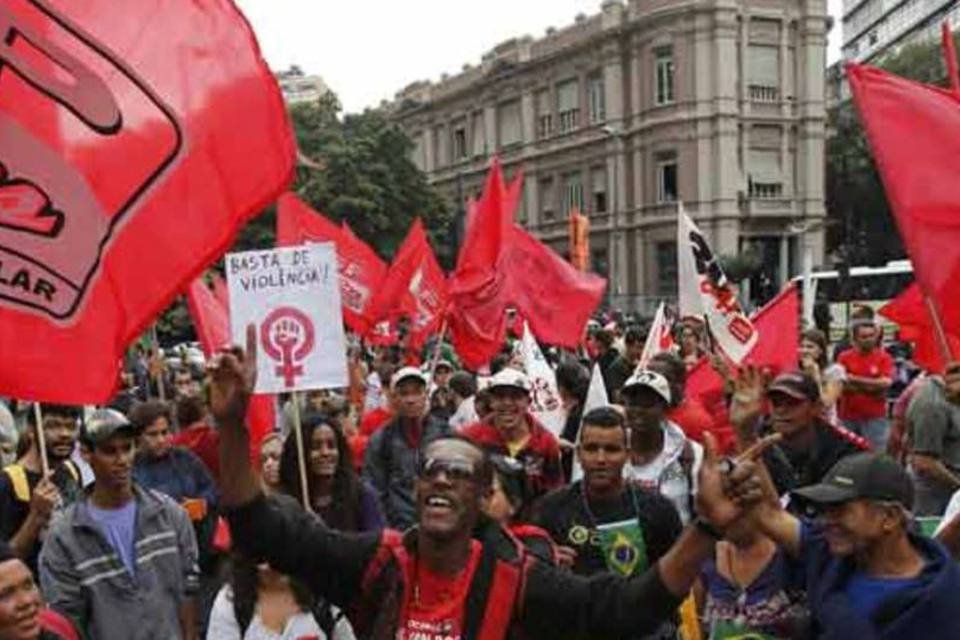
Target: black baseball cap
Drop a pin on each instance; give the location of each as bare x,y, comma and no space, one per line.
795,384
861,476
103,424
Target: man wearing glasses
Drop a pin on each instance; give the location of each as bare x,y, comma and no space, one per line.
454,575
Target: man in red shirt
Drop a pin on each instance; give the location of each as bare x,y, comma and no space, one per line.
512,431
863,405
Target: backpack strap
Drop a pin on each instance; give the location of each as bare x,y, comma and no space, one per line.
18,480
687,460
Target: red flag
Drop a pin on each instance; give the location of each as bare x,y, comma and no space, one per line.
901,117
221,292
477,320
555,298
383,333
415,286
121,174
361,269
212,322
909,310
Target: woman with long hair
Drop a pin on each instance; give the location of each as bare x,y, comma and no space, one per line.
336,493
814,360
271,448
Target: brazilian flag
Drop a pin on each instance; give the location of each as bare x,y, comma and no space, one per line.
623,547
727,630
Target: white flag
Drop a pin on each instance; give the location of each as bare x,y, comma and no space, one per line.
596,397
706,293
660,338
544,398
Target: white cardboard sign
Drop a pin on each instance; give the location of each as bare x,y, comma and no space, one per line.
292,296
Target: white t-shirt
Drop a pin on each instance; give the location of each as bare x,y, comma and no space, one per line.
224,626
953,507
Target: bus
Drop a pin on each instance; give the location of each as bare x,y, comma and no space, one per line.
871,286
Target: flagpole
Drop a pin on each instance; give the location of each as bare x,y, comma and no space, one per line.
41,440
938,329
950,57
436,349
161,392
301,457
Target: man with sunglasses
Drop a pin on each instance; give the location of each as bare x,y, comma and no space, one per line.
867,574
809,445
454,575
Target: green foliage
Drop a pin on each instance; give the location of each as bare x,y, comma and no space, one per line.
861,224
738,267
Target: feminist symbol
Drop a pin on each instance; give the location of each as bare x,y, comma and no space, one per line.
287,337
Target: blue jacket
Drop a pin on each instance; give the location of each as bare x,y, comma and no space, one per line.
927,610
180,475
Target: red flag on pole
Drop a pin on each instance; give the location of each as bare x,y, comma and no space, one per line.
910,311
121,174
361,269
212,322
900,117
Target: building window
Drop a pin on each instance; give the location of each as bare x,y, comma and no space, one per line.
509,122
479,134
544,114
598,98
460,143
568,105
764,177
664,73
667,177
666,268
572,193
599,196
600,261
763,73
548,194
439,148
418,154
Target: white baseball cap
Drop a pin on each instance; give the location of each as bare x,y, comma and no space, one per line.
510,377
406,373
651,380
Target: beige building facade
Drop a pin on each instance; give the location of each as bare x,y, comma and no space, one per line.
718,103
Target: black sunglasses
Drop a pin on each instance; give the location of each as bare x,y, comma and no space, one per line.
456,469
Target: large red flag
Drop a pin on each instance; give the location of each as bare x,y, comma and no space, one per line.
909,310
912,129
477,318
361,269
555,298
121,174
415,286
212,322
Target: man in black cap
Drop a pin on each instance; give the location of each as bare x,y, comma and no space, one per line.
810,445
867,574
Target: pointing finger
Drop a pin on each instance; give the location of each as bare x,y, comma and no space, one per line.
755,450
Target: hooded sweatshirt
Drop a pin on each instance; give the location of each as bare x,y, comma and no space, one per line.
673,473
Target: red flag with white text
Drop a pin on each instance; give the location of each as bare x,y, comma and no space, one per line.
361,270
122,175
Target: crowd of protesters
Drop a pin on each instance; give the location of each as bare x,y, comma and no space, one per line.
433,503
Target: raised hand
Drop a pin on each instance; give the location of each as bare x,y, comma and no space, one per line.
726,483
748,395
233,375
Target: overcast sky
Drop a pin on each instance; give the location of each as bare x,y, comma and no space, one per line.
367,50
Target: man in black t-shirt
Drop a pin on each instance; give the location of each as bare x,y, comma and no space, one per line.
27,501
608,523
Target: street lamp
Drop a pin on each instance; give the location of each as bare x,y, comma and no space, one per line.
616,269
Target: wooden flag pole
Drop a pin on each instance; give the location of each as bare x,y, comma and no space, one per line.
436,349
41,440
938,329
301,454
155,342
950,57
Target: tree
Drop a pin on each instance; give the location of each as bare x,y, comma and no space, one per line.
861,229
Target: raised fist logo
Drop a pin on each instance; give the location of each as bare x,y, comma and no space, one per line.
287,336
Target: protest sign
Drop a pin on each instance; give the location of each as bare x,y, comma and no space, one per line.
292,296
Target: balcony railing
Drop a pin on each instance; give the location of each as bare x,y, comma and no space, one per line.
760,93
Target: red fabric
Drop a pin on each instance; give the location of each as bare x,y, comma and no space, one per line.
476,320
383,334
540,455
374,420
361,269
358,449
873,364
220,291
909,310
57,625
204,441
435,605
123,175
415,286
212,322
694,419
554,297
901,117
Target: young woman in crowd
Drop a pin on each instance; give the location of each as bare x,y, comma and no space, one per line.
271,448
258,603
814,361
691,344
336,493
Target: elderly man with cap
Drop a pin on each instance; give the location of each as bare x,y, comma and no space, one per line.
121,561
390,459
512,431
867,575
809,445
662,457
